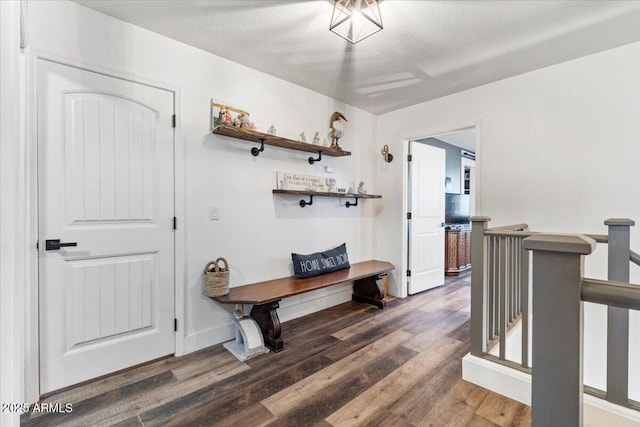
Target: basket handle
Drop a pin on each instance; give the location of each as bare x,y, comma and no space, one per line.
209,264
216,267
226,265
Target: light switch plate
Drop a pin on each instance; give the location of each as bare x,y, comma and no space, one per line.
214,213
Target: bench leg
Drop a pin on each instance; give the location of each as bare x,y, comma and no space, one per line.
267,318
369,290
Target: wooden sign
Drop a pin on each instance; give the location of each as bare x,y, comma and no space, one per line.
299,182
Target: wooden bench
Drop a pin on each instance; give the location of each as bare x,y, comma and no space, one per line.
265,295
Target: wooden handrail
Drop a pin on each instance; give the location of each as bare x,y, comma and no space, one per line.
609,292
634,257
514,227
509,233
599,238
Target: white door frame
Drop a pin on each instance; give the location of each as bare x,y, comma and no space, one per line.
13,211
32,362
422,133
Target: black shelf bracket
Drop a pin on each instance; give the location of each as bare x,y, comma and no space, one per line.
255,151
349,204
304,203
312,160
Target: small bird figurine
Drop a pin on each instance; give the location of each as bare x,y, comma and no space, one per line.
336,129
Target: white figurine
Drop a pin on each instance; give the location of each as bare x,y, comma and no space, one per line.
325,142
316,138
361,189
331,184
272,130
246,123
303,138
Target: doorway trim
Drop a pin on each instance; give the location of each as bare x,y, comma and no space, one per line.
13,221
32,316
432,131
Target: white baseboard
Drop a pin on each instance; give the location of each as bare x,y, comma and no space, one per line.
600,413
516,385
311,302
508,382
203,339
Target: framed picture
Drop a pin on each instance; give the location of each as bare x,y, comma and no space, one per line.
224,113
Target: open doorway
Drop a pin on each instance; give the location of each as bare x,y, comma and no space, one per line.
442,194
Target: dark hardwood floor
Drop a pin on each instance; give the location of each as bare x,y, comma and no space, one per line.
352,364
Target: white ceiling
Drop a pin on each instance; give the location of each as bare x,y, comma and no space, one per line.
427,49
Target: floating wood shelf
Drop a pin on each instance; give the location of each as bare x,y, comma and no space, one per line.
276,141
304,203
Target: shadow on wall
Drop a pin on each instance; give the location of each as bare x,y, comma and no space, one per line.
288,207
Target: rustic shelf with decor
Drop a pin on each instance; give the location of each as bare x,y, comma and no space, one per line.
277,141
311,194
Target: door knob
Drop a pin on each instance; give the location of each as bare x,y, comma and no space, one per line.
54,245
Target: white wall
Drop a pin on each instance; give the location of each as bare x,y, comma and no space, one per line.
560,150
257,231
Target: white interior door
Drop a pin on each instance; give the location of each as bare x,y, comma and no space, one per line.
105,165
426,233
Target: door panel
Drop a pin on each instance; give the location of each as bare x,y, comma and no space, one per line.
99,129
105,160
109,298
426,247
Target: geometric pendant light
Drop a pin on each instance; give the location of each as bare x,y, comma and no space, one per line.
355,20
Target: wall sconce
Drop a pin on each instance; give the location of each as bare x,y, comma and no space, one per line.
388,157
355,20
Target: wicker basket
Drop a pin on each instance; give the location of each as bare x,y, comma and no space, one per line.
216,278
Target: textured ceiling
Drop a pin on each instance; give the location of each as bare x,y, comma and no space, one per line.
427,49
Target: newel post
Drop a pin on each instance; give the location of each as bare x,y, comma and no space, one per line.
558,262
618,318
478,286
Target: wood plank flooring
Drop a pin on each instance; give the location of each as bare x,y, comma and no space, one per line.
349,365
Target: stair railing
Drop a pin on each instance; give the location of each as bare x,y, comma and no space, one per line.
558,289
499,287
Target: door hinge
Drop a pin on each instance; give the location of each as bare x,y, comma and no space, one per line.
173,121
38,245
408,215
175,223
408,273
175,325
409,157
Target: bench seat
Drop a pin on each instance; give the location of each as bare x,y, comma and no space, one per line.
265,295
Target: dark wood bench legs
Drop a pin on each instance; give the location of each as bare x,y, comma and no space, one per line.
369,290
267,318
